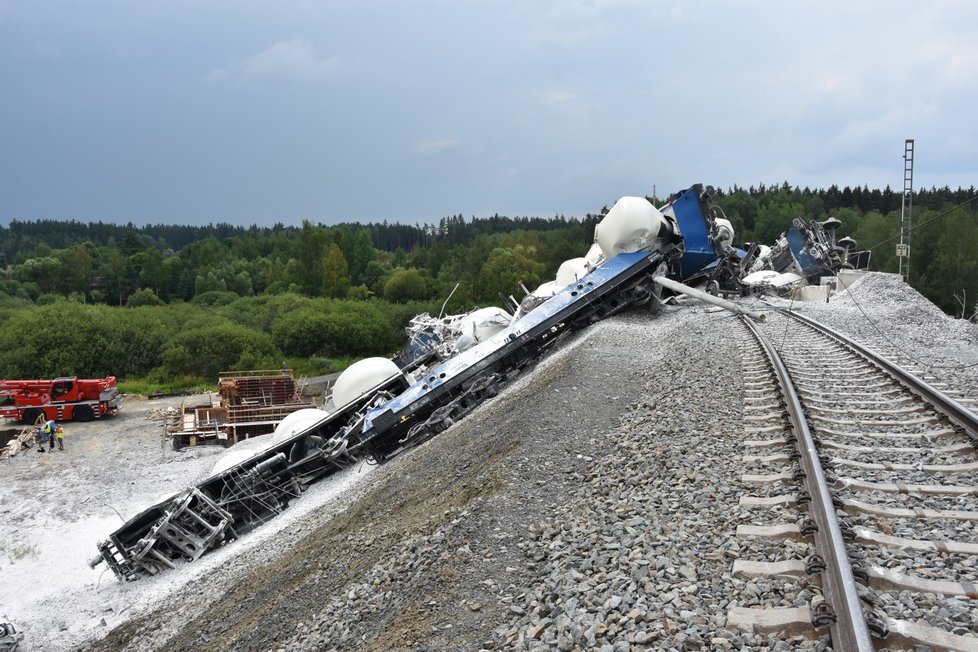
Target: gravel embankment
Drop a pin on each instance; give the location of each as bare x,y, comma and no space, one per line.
593,504
886,314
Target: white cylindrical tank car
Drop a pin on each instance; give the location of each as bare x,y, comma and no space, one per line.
571,271
630,225
361,376
480,325
296,422
593,257
724,232
545,290
232,458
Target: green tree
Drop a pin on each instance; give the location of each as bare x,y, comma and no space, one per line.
144,297
209,350
876,233
43,271
78,268
359,251
310,249
506,267
150,266
951,262
405,285
209,282
774,219
335,274
116,277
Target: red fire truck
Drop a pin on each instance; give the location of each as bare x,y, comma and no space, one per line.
62,399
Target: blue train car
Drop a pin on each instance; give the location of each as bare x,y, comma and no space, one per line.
708,252
433,402
400,412
690,211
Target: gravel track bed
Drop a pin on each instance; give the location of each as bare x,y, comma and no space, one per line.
646,560
950,567
907,477
924,456
956,615
892,423
887,315
930,529
923,442
917,501
592,505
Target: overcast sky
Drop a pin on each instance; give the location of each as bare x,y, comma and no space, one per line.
196,111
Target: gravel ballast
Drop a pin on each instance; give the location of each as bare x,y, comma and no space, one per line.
592,505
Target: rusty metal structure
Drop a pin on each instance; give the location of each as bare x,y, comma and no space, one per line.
251,403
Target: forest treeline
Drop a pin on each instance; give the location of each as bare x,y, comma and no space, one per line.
163,301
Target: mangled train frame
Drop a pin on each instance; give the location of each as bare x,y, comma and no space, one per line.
682,241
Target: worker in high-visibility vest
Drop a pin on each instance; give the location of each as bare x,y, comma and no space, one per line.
49,429
41,436
60,436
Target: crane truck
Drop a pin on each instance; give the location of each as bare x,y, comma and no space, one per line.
62,399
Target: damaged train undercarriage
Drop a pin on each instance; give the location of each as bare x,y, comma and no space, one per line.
452,365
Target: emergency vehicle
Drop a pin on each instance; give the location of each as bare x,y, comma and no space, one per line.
61,399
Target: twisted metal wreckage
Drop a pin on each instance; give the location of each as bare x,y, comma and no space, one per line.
453,364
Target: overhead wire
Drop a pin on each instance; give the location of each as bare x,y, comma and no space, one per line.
925,223
897,347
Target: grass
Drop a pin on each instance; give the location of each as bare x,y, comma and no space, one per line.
147,386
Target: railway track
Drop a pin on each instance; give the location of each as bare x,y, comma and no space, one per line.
862,490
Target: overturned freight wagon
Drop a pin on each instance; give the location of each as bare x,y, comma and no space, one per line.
402,408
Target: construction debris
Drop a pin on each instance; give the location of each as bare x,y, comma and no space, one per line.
14,440
251,403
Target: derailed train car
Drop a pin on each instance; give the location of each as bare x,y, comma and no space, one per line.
383,413
802,255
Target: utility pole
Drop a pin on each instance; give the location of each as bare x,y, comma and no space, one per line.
906,211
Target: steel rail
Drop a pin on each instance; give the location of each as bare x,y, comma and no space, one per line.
955,412
849,631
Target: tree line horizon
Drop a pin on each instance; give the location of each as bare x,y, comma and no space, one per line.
297,292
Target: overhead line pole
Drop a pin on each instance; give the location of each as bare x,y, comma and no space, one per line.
906,211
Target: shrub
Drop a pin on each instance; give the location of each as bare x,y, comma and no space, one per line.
215,298
405,285
336,329
136,337
144,297
59,339
209,350
302,333
49,299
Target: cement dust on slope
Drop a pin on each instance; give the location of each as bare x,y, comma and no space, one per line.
426,551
